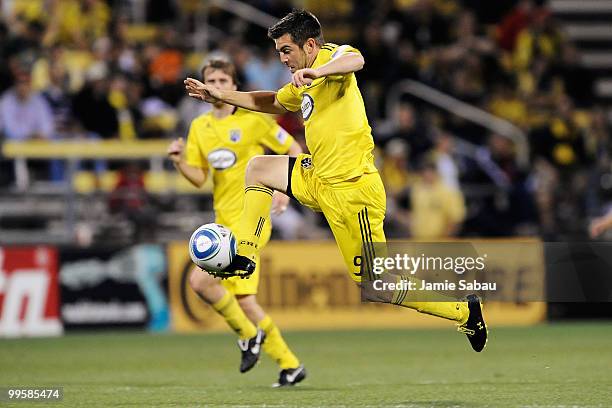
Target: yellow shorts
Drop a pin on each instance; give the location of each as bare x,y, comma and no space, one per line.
236,285
354,209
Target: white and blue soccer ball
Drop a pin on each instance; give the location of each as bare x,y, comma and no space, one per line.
212,247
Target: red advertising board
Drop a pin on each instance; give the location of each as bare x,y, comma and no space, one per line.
29,292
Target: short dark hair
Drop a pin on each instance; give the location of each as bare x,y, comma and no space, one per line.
223,65
300,25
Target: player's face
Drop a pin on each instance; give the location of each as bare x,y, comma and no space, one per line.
291,54
219,80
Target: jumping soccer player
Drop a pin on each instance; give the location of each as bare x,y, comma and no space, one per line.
222,142
338,177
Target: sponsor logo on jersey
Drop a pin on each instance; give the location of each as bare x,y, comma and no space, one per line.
221,159
307,106
234,135
306,163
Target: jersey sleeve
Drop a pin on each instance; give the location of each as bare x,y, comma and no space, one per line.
193,153
336,52
343,49
289,97
275,137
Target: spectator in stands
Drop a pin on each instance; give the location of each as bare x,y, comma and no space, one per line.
91,106
576,79
445,164
506,206
77,22
467,41
404,65
24,36
562,140
24,114
371,80
394,170
128,115
131,200
165,68
541,38
57,95
437,211
513,24
266,72
424,25
397,179
505,103
406,126
5,77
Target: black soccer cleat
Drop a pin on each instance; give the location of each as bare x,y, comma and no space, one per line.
240,266
475,328
251,348
290,376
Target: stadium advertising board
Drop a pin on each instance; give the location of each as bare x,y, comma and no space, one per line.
29,295
316,292
114,287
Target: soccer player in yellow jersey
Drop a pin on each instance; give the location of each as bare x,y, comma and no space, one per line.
221,143
338,177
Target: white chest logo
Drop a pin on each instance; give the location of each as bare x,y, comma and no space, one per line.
307,106
221,159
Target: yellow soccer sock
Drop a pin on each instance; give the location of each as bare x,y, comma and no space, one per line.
423,303
256,212
229,308
275,345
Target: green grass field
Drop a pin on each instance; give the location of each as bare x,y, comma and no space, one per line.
562,365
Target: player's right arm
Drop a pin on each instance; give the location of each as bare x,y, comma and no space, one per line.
195,175
600,225
259,101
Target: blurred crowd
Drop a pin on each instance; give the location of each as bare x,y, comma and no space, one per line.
99,69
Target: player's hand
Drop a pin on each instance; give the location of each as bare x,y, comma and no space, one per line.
280,202
175,150
598,226
197,89
304,76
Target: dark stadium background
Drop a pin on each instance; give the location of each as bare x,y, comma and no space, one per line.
510,101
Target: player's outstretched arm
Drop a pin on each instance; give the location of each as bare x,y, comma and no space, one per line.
600,225
260,101
341,65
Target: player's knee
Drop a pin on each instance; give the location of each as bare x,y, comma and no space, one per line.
255,170
199,283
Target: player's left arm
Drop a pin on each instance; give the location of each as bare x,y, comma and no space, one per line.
341,64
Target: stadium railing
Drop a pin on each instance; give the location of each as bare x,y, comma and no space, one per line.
462,109
78,184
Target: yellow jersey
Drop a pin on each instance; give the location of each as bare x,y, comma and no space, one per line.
434,209
223,147
338,135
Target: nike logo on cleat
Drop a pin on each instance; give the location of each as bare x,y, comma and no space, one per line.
255,348
291,377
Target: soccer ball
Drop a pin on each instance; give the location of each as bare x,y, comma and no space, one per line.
212,247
